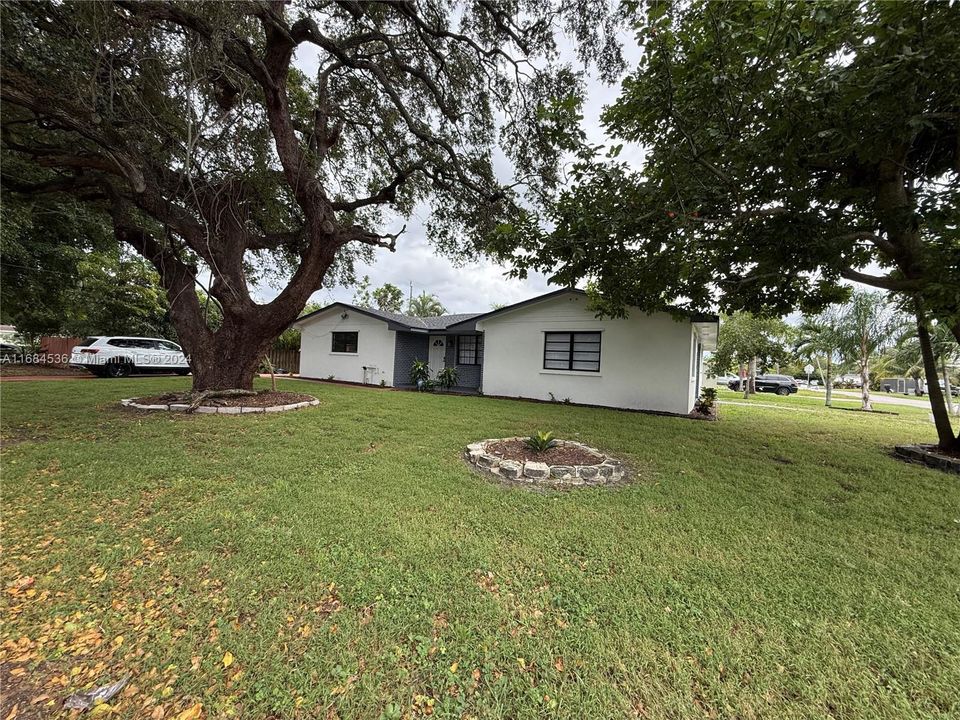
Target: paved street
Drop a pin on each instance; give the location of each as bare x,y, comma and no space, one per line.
887,398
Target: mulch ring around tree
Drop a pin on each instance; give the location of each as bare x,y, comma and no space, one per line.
519,451
566,465
224,402
930,455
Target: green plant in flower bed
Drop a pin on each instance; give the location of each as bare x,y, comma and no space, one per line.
541,441
447,378
419,373
706,402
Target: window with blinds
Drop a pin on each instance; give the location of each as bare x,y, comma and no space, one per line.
571,351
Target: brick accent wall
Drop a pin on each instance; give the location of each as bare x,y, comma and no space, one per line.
410,347
470,377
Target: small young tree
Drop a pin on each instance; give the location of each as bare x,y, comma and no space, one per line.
388,298
747,340
818,341
865,327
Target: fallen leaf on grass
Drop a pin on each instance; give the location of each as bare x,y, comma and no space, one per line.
227,659
191,713
20,584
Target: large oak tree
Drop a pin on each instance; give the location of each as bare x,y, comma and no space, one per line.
788,146
194,130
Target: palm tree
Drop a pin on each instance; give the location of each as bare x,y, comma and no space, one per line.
907,357
818,338
424,305
866,326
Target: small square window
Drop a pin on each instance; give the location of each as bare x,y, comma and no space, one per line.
344,342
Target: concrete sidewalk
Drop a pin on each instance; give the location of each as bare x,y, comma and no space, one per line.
887,398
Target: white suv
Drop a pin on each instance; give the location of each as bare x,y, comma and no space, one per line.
112,356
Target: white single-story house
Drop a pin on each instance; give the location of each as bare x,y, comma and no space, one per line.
551,347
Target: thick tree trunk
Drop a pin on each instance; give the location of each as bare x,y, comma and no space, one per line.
947,440
752,380
744,384
229,357
218,376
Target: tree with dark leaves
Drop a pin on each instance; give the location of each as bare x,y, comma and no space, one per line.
193,130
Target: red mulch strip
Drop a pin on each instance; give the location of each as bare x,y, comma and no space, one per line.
261,399
560,455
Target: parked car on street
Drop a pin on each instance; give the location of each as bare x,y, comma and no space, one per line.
117,356
10,353
779,384
725,380
850,381
954,389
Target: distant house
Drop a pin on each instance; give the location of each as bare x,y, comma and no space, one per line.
903,385
549,347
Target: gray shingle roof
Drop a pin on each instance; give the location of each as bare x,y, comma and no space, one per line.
445,321
429,323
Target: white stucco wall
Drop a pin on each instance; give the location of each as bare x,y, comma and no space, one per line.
375,347
645,360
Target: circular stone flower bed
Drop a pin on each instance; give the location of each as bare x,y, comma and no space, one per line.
265,401
568,463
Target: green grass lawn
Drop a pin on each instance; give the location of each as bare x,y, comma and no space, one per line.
775,564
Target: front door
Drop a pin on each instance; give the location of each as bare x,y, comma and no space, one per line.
438,351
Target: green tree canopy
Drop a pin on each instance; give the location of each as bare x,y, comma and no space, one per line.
788,146
745,337
388,297
62,274
188,128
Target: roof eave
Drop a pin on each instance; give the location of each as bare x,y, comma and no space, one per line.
392,324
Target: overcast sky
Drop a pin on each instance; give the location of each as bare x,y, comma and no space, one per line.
474,287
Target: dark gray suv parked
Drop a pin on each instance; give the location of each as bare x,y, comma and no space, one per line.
779,384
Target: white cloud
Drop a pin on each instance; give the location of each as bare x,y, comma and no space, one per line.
472,287
476,286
